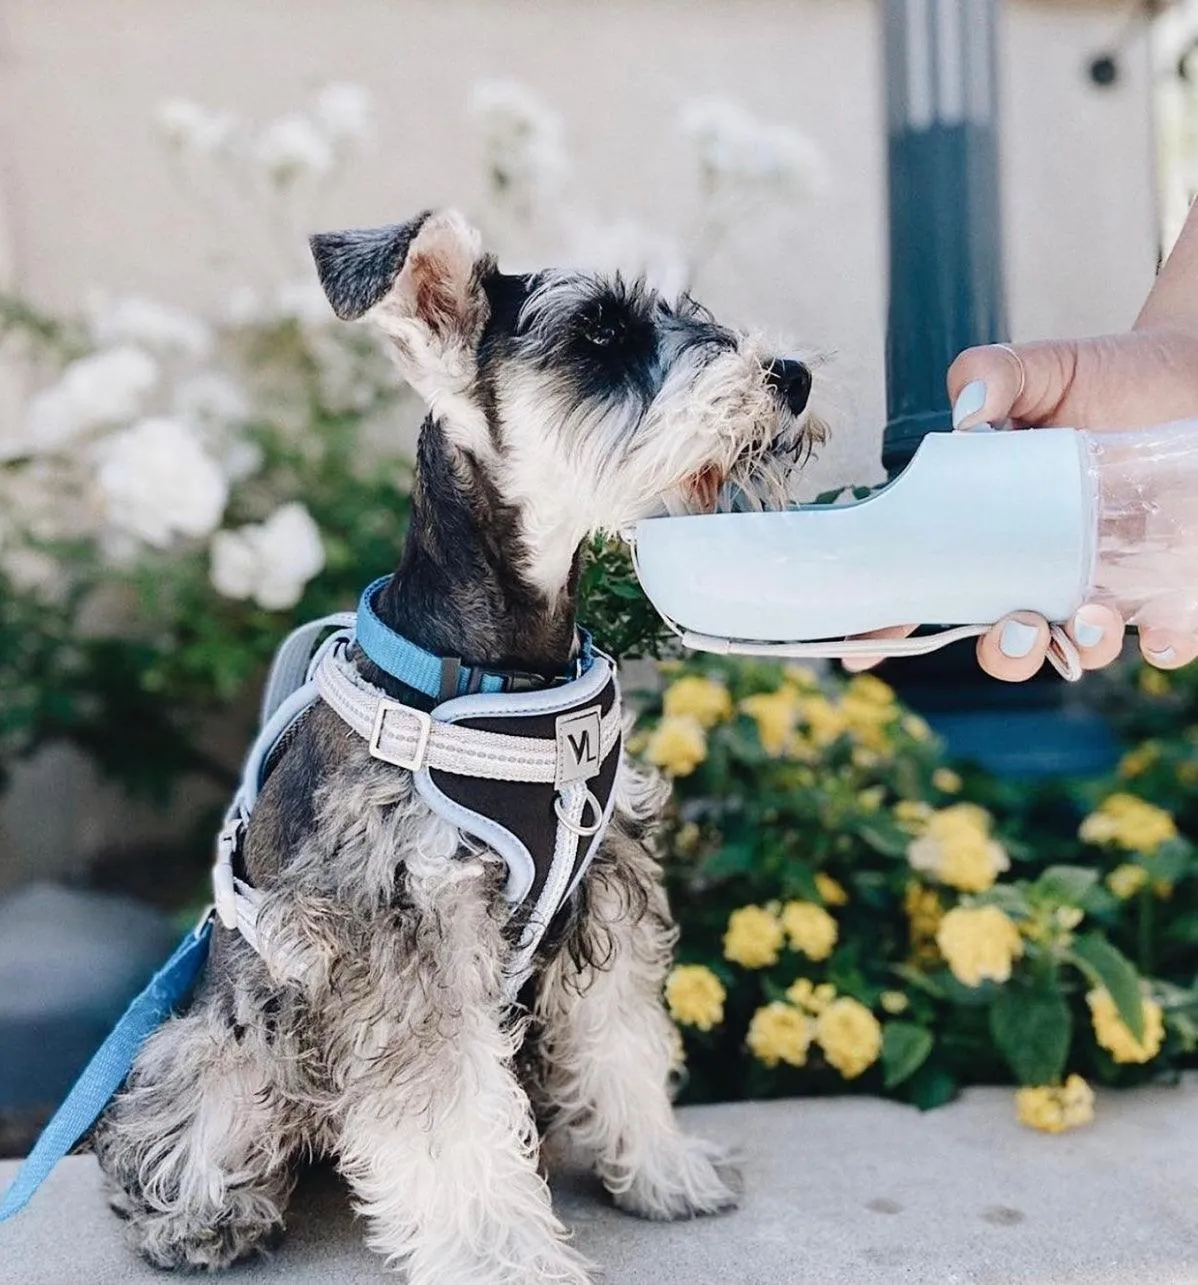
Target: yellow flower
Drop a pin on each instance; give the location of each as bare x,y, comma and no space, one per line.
850,1036
1136,762
866,716
775,714
695,996
824,721
802,676
754,937
894,1002
813,999
871,799
956,848
1114,1036
1126,880
870,689
916,728
946,780
1130,823
1153,682
779,1033
699,697
810,928
1054,1109
831,892
864,759
913,814
924,911
979,943
678,744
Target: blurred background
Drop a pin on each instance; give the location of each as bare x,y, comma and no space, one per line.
192,456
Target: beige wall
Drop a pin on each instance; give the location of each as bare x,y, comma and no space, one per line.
87,200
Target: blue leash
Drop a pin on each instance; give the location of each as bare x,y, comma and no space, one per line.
105,1073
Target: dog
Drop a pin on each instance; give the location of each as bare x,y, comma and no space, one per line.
373,1023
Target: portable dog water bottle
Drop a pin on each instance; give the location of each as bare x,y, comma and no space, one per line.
980,524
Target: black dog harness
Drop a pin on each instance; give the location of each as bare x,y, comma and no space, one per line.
528,774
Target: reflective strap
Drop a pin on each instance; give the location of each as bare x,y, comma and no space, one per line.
289,669
411,739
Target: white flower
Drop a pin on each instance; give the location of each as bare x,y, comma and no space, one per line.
345,111
156,482
32,571
291,147
524,139
269,561
153,325
195,129
102,388
211,398
737,148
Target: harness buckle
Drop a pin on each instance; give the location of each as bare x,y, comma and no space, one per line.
425,728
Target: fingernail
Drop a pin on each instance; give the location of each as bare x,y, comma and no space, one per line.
1086,632
1017,639
1164,656
969,401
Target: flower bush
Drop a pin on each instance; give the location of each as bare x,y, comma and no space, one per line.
859,915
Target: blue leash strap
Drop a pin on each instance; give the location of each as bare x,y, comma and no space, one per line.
103,1075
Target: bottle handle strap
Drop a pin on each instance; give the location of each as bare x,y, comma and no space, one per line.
1062,650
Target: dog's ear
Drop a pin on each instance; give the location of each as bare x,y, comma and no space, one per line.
416,280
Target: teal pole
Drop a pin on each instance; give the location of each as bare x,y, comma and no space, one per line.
946,262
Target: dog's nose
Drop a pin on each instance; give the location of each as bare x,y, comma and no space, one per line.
792,381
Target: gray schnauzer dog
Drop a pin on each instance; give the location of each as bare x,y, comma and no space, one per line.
372,1025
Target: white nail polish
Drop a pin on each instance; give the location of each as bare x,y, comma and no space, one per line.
1087,633
1017,639
1164,656
969,401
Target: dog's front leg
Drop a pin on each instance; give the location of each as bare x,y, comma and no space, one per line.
436,1135
197,1146
607,1046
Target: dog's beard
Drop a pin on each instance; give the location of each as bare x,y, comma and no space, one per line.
751,447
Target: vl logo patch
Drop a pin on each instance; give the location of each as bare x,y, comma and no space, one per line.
579,753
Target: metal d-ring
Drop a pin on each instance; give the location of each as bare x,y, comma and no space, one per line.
576,827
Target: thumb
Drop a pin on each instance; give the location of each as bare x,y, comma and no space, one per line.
1024,383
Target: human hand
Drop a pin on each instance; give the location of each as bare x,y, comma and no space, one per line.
1147,376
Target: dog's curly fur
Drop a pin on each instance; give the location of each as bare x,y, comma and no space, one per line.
374,1027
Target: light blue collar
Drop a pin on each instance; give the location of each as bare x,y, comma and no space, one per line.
430,674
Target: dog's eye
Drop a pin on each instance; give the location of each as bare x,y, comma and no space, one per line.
602,325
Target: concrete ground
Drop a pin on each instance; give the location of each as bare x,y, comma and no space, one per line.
839,1192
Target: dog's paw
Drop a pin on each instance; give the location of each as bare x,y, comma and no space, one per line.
689,1179
180,1243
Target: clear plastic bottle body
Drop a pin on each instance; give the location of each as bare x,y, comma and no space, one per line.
1145,488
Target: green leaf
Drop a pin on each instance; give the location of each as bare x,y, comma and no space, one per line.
886,838
930,1087
1106,966
1032,1029
1184,929
905,1048
1068,884
735,858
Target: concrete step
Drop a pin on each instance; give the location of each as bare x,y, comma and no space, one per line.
848,1191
